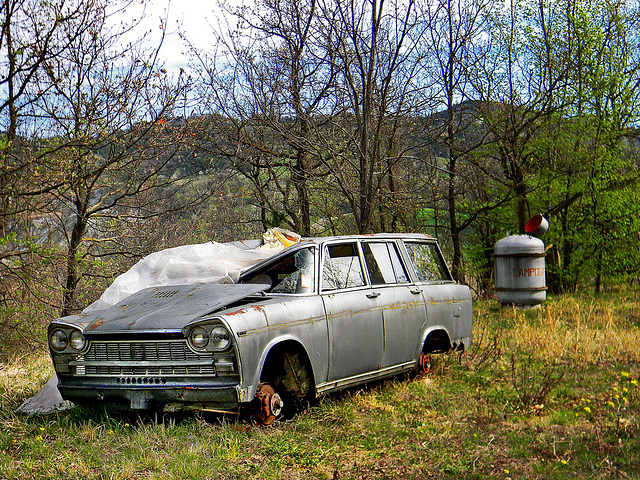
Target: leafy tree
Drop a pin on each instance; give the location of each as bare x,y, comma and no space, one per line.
591,160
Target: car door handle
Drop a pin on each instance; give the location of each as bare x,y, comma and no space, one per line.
373,294
416,291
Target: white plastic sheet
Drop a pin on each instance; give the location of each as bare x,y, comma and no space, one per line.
48,400
189,264
209,262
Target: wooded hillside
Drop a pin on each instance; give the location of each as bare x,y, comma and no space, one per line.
461,119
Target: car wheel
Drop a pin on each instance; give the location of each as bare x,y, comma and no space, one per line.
286,388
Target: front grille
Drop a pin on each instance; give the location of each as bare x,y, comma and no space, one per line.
150,358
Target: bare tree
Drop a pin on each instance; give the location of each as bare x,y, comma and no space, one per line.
95,142
455,30
265,95
112,134
30,35
374,47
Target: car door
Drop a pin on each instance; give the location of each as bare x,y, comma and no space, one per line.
354,316
437,285
403,310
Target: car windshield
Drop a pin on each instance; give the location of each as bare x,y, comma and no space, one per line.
293,273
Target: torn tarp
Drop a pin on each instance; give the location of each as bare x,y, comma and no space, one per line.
209,262
48,400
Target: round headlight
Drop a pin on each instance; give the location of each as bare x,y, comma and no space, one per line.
77,341
58,340
199,337
220,338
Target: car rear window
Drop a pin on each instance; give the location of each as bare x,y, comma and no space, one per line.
428,263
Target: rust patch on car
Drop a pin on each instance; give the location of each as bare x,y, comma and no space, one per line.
97,323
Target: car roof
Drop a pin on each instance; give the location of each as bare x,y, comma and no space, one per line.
310,241
255,243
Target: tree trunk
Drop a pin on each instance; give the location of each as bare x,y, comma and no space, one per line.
300,177
73,277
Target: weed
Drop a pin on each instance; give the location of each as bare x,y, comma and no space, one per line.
531,379
485,353
623,404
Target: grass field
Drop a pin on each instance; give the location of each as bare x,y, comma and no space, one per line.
544,393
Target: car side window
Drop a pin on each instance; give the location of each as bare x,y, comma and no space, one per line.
383,263
341,268
428,263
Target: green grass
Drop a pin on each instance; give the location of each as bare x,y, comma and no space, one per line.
548,393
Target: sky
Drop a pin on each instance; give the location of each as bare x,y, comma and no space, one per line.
192,17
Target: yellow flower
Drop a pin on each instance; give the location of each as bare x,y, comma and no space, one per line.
39,438
126,424
634,382
616,396
587,409
564,462
506,471
611,404
42,429
626,400
615,389
110,432
624,374
625,390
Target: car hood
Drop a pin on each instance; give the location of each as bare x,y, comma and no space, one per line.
167,308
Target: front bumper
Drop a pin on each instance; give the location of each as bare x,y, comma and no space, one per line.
144,394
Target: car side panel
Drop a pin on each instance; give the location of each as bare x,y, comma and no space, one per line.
404,314
449,306
297,318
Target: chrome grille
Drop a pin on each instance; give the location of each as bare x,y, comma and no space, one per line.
150,351
149,358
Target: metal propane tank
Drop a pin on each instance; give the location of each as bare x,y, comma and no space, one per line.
520,266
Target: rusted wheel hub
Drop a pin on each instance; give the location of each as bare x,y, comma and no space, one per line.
267,405
424,364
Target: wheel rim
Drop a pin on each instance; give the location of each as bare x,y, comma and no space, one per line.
424,364
267,405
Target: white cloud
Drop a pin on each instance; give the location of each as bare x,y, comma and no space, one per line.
194,18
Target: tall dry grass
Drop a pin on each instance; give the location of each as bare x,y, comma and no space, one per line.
582,330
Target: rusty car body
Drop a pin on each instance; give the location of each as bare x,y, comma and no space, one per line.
322,315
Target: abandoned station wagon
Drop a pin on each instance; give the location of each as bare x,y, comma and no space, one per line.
324,314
